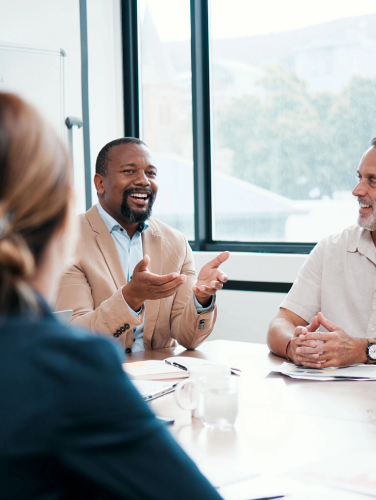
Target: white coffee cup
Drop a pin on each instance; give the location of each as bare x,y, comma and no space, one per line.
197,372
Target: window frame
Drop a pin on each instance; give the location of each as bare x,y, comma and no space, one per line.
201,126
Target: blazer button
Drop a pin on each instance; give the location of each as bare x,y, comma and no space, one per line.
115,334
126,326
122,329
129,350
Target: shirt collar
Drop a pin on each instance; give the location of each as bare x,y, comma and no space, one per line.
111,223
361,241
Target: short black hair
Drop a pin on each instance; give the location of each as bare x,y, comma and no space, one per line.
102,158
373,142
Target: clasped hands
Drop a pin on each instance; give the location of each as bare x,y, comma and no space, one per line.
145,285
337,348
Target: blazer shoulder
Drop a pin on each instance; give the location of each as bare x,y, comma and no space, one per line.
166,231
90,226
91,221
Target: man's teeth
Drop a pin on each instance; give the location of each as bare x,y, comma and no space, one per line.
364,205
143,196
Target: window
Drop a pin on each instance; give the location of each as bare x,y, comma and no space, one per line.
293,101
166,107
284,105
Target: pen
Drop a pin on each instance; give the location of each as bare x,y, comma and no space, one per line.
177,365
161,392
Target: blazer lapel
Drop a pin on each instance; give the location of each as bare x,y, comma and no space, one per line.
107,247
152,246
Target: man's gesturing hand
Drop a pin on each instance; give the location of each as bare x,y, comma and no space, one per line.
303,350
338,348
145,285
210,279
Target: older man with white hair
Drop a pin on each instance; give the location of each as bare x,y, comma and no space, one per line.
329,316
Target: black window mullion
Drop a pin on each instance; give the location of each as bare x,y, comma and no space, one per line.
129,24
201,123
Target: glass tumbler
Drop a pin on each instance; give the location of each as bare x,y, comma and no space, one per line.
218,401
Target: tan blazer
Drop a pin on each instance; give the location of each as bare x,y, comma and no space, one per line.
92,288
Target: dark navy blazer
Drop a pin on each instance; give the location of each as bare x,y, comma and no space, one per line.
72,426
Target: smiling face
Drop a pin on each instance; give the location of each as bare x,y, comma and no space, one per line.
365,190
128,189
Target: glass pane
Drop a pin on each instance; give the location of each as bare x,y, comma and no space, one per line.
166,107
294,108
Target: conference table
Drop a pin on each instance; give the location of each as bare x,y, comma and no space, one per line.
283,424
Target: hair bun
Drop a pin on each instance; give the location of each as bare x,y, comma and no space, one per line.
16,258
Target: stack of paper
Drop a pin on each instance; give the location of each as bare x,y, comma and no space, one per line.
354,372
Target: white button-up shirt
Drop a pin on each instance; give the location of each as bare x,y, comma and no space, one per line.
339,279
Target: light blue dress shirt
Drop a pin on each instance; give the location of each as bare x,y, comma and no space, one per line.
131,252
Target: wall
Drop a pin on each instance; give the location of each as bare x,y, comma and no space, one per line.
105,75
55,24
245,316
52,24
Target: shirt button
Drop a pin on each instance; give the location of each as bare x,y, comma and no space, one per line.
121,229
129,350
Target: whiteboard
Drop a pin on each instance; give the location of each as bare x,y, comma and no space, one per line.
36,75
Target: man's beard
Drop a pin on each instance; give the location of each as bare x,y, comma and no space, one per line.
368,222
136,216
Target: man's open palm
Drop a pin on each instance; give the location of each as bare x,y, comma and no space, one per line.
210,279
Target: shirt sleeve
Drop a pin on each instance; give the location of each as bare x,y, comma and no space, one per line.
304,298
136,314
109,437
201,309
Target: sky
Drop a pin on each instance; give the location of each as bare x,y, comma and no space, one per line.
235,18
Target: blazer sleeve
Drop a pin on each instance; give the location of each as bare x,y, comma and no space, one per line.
109,438
188,327
111,316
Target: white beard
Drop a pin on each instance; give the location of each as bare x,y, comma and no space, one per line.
368,222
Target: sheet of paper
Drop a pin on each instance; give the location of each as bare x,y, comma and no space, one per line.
353,471
270,486
355,372
187,361
146,387
153,370
258,487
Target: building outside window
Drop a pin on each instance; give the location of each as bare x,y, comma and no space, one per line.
293,107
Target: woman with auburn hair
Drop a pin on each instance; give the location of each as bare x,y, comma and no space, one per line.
71,423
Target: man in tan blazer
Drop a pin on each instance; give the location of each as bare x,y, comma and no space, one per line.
114,286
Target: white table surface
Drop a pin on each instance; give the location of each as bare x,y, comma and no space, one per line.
282,423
